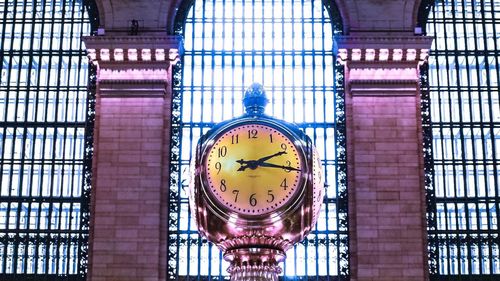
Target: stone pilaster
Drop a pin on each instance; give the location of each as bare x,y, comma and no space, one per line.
385,160
131,145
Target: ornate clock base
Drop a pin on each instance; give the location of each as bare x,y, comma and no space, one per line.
255,273
254,264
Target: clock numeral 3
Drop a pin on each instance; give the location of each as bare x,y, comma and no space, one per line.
223,186
252,134
270,195
253,200
236,192
222,151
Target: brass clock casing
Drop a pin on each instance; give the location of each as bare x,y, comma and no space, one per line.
266,220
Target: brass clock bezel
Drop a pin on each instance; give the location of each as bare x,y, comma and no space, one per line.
228,214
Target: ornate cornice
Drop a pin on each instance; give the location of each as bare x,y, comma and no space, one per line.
133,66
380,49
382,65
110,50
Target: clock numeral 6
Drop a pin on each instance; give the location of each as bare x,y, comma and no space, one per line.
270,195
222,151
223,186
253,200
218,166
236,192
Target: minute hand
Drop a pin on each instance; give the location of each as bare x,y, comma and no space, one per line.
265,158
265,164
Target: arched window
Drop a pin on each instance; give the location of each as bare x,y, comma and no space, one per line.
462,134
45,139
286,45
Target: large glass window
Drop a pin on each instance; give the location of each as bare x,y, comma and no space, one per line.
45,140
286,45
463,138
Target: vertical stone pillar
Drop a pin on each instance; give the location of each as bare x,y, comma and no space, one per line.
131,143
385,159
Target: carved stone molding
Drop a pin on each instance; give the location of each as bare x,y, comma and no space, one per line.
383,49
382,65
133,65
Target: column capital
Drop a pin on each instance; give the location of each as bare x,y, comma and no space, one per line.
382,49
133,65
382,65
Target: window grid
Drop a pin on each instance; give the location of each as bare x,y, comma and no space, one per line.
462,138
46,119
229,44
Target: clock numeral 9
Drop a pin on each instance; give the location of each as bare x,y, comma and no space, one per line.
222,151
218,166
253,200
236,192
252,134
223,186
270,195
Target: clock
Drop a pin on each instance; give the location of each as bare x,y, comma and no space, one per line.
256,189
254,167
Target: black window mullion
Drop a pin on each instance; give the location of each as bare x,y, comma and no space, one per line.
251,57
32,132
474,241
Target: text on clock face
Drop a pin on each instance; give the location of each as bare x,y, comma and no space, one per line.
253,169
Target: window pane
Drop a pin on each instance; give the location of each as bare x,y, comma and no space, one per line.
45,114
287,47
464,134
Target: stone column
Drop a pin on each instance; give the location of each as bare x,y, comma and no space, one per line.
131,144
385,160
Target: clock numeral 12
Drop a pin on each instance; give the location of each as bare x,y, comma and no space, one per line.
252,134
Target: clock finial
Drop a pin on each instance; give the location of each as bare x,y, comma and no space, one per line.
255,99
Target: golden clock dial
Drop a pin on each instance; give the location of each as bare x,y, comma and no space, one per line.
253,169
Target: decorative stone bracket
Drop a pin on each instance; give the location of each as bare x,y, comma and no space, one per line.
392,61
133,65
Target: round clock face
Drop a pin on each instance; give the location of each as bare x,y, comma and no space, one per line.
253,169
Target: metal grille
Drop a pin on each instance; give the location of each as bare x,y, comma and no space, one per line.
462,139
46,118
286,45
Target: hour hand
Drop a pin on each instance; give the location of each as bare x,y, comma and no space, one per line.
246,164
288,168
